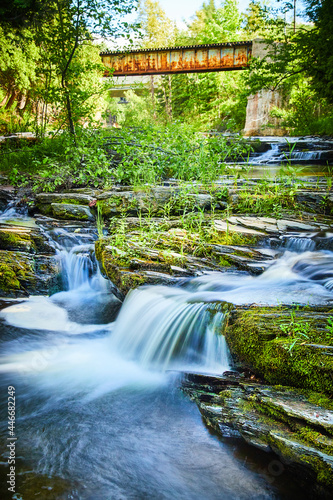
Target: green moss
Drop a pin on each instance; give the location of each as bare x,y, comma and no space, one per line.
15,240
15,273
316,439
226,394
255,338
320,399
71,201
223,261
8,279
322,469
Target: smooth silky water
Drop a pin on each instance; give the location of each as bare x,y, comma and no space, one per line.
99,411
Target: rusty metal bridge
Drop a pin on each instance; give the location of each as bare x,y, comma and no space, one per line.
189,59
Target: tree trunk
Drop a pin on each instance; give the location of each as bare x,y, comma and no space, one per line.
170,97
152,90
4,100
70,115
166,101
11,99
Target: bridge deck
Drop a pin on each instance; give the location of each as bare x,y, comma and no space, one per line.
191,59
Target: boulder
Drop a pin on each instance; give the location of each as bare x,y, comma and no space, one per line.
71,211
294,424
21,274
285,345
44,201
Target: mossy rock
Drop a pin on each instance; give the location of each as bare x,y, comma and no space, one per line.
16,238
44,201
70,211
17,275
21,274
157,201
259,339
126,271
280,419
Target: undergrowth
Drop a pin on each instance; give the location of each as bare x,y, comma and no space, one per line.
134,156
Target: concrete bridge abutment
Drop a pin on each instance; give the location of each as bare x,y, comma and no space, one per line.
259,106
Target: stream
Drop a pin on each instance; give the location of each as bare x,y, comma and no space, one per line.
99,409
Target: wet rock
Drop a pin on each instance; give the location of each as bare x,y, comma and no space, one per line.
6,195
279,419
276,345
21,274
23,239
321,203
71,211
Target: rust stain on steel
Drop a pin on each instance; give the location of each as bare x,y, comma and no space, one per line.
192,59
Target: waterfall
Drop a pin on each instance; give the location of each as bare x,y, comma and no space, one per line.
272,155
166,327
157,328
299,244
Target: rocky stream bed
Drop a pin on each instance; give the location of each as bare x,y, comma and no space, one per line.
278,395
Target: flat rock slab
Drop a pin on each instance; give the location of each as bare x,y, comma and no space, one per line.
24,239
303,410
258,223
282,420
285,225
223,226
48,198
157,200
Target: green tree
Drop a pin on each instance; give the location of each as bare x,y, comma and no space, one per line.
211,98
308,51
76,23
260,20
157,29
215,25
64,38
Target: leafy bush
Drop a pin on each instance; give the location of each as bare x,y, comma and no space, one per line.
134,156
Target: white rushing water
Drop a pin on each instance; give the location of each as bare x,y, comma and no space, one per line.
158,328
97,407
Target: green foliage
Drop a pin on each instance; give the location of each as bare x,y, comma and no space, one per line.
260,21
52,65
215,25
157,29
54,164
145,155
267,199
307,51
137,112
152,154
298,331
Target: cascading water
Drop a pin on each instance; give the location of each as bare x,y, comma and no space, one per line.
165,327
157,328
298,151
91,390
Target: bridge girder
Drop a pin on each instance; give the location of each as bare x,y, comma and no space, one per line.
172,60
